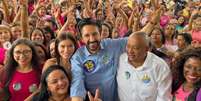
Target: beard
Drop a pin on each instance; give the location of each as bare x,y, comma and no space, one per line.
93,46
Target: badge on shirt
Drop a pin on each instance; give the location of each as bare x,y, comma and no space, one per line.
105,59
17,86
32,88
146,79
89,65
127,74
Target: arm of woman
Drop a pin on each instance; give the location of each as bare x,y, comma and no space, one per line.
6,11
24,19
191,20
154,20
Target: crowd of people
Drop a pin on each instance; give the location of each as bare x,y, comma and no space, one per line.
100,50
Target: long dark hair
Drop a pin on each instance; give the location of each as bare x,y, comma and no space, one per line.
44,94
178,75
61,37
11,64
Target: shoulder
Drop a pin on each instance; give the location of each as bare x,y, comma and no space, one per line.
123,56
157,62
155,58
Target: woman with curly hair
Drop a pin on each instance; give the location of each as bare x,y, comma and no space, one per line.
187,76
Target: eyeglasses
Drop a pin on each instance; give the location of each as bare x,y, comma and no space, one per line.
24,52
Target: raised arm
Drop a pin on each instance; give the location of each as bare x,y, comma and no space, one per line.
154,20
24,18
6,11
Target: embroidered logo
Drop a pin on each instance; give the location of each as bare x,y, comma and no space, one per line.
89,65
105,59
146,79
127,75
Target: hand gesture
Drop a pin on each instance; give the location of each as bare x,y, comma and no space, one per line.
96,97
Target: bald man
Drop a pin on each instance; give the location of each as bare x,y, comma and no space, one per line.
142,76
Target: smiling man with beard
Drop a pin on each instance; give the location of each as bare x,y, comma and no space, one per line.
94,65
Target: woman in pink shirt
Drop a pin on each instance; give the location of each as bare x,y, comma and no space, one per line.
187,75
196,31
21,75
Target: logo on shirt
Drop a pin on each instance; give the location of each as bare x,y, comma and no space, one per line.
17,86
146,79
32,88
127,74
89,65
105,59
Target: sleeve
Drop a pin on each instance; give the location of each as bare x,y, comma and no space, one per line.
77,85
164,84
119,44
198,97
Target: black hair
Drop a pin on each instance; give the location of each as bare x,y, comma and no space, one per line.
2,16
61,37
88,21
11,64
178,68
44,94
187,37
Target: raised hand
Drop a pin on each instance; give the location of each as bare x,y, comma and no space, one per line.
96,97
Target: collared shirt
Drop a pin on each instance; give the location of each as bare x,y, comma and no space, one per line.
149,82
91,71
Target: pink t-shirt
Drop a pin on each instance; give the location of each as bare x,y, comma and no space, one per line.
196,35
23,84
122,31
181,95
2,55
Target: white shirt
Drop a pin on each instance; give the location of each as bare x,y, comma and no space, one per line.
149,82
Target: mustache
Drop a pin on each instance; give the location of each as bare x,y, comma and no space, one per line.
92,42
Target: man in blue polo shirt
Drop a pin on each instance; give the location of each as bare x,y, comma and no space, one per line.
95,64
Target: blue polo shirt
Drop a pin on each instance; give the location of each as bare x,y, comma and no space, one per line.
91,71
